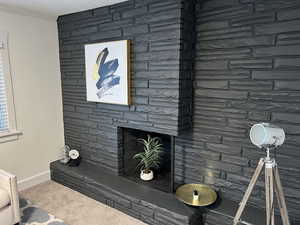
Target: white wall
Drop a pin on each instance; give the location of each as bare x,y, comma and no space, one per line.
34,58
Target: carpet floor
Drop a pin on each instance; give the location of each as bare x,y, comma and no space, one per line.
75,208
34,215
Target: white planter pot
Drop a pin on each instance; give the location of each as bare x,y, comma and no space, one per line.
146,176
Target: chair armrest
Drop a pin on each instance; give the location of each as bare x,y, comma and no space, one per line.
8,182
5,181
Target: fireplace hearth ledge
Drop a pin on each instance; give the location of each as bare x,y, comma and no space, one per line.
150,205
142,202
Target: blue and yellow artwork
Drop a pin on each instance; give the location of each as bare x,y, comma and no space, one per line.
107,72
104,73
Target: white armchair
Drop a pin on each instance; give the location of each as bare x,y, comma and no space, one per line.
9,199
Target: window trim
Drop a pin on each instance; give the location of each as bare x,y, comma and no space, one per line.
12,133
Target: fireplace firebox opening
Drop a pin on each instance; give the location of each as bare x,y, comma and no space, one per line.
164,175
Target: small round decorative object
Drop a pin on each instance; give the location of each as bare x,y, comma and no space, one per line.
196,194
74,154
75,158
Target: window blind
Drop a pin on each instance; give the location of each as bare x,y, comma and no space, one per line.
3,102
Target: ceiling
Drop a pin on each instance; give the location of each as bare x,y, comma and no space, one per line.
52,8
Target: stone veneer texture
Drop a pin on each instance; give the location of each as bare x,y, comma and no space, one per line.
245,68
161,76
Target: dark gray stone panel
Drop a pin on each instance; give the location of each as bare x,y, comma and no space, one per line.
212,25
286,117
287,85
212,84
221,94
243,76
235,43
286,63
226,12
288,39
289,14
276,75
225,33
211,65
278,51
251,64
266,6
255,18
280,27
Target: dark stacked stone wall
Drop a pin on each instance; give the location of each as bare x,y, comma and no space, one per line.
247,70
155,29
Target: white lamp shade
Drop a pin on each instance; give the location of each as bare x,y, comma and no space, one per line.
263,134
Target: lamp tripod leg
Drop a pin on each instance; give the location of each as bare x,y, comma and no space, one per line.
248,191
280,198
272,198
269,188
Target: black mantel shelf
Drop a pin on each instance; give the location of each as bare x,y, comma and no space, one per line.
150,205
147,204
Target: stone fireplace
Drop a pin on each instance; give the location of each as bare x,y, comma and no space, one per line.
203,72
164,175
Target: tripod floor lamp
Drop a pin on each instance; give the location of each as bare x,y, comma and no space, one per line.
267,137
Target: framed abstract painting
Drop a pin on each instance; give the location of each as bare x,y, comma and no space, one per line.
107,68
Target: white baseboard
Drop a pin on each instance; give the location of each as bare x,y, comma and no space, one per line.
34,180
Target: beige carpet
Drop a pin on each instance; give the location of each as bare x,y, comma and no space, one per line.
75,208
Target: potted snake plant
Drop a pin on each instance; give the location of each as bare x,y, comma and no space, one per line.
150,158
